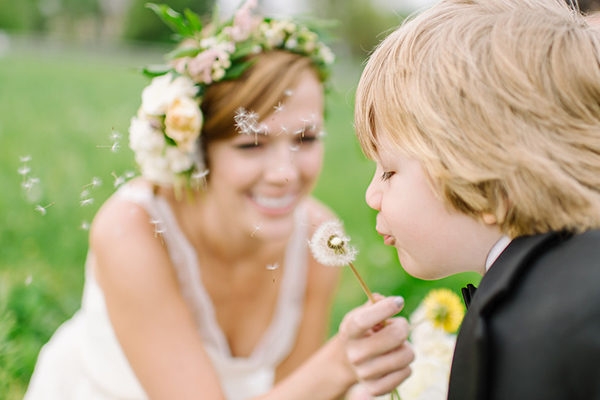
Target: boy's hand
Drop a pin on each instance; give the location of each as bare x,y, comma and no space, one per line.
378,353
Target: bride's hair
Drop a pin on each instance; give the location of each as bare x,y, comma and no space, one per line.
262,87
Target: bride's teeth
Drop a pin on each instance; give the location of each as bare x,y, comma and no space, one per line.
274,202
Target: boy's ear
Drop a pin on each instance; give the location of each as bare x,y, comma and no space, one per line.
489,219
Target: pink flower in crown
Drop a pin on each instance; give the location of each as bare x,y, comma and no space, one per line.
243,22
202,67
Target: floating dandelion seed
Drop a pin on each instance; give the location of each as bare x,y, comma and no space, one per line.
28,184
86,202
158,227
24,170
24,159
42,210
304,121
294,148
129,174
279,107
444,309
321,134
119,180
273,267
200,176
28,280
114,139
288,92
247,122
84,194
96,182
252,116
85,226
115,135
284,129
159,230
256,228
329,246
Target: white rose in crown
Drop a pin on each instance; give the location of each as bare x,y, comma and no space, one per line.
183,122
162,92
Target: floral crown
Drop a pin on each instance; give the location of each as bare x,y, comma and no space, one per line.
165,131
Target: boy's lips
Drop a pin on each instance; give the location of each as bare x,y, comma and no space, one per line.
388,240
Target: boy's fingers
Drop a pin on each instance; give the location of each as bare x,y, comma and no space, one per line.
360,321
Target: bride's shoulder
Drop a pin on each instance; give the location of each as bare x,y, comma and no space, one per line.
318,212
122,217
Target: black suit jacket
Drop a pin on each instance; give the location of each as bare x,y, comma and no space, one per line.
532,330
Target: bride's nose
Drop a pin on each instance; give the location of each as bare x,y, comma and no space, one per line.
280,166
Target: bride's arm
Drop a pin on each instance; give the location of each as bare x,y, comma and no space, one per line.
151,320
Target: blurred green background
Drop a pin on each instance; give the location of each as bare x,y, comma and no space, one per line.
64,85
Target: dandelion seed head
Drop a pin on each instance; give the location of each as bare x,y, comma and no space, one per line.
329,245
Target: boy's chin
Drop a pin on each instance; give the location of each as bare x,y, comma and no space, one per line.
423,272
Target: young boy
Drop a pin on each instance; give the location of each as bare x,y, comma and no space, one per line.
483,117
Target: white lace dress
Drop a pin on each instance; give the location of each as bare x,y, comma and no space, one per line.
84,361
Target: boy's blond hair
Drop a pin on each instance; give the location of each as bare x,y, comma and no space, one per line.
500,101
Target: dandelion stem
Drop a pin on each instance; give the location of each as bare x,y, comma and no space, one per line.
362,284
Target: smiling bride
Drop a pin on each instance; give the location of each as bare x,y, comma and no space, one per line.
213,295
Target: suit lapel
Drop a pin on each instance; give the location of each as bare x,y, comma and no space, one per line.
498,281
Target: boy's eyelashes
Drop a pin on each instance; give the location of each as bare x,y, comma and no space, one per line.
386,175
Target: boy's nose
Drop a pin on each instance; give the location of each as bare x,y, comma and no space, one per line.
373,195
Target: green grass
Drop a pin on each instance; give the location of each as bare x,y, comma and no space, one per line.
58,108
